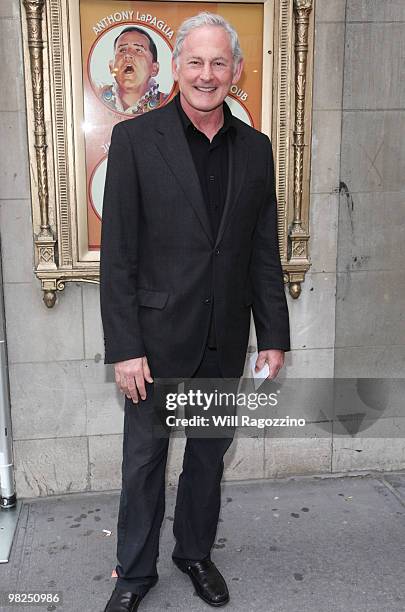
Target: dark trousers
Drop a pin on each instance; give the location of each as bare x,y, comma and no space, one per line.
142,502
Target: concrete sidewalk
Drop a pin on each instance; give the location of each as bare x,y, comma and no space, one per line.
303,544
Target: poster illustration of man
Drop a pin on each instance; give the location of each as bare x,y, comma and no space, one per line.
134,68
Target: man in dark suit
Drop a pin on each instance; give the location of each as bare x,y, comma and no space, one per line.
189,245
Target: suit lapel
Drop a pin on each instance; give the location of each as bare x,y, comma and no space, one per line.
238,155
173,146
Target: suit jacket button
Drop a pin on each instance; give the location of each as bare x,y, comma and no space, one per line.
207,301
217,252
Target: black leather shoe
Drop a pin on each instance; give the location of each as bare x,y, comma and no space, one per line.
209,584
123,601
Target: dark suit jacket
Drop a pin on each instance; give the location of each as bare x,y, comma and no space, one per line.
161,270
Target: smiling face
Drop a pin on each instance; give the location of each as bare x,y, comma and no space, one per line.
205,68
133,64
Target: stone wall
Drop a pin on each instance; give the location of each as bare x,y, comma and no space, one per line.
370,321
370,305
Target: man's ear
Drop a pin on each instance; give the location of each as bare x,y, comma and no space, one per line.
174,70
111,67
237,72
155,69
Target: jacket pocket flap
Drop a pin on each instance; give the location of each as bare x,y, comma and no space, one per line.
151,298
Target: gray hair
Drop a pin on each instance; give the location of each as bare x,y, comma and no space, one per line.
203,19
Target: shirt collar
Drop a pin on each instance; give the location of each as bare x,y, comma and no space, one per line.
187,123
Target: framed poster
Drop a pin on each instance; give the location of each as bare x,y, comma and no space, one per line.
118,85
107,61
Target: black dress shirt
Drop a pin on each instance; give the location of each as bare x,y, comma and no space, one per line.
211,163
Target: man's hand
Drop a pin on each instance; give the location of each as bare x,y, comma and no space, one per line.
130,376
275,360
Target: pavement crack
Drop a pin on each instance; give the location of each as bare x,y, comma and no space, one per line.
393,490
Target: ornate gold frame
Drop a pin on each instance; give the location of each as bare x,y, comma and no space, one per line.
287,93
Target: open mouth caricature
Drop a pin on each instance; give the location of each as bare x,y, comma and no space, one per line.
129,69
